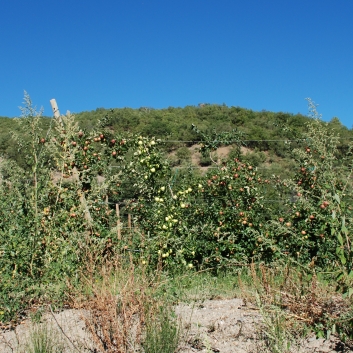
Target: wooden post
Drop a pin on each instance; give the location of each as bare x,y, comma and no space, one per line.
55,108
118,221
56,111
130,237
129,221
130,232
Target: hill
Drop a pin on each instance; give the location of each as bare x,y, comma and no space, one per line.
266,134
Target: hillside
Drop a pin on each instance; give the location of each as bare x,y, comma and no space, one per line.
265,133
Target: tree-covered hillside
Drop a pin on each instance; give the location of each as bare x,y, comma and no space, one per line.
265,133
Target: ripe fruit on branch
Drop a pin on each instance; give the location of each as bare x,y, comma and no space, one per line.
80,134
73,143
113,142
42,140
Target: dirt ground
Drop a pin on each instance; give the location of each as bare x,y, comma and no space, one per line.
226,326
233,326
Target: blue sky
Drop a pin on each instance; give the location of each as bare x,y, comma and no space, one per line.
254,54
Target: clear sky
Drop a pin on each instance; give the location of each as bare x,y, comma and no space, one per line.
257,54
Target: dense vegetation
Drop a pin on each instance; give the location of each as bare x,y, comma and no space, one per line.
263,131
63,178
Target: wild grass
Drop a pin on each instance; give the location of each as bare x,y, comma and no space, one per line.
43,339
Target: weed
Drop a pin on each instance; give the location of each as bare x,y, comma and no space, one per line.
162,332
44,340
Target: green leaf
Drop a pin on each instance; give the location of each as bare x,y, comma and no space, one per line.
320,334
340,254
328,334
333,214
340,239
344,230
337,198
343,259
350,292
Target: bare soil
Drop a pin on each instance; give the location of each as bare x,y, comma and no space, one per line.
227,326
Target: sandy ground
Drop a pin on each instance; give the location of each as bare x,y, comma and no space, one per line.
227,326
232,326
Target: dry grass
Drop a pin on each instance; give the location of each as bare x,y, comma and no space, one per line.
121,307
301,301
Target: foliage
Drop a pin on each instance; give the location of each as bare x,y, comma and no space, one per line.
58,205
318,217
